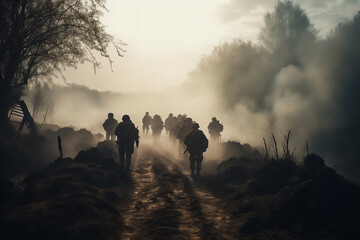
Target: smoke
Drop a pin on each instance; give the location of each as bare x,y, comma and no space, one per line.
292,80
80,107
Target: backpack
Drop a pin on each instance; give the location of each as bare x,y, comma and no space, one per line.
197,140
126,131
220,127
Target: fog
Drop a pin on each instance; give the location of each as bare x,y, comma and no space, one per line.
290,79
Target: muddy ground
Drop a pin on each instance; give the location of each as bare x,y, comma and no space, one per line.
89,197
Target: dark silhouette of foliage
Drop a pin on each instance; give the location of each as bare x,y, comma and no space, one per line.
288,25
293,80
39,39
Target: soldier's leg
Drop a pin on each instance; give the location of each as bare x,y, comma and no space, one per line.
129,152
199,158
192,163
122,156
112,137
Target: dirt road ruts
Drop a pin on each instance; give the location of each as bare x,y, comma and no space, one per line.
166,204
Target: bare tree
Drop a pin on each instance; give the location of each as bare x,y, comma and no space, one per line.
39,39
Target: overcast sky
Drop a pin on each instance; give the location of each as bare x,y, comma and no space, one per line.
168,37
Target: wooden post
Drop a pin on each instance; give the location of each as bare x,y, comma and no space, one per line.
60,147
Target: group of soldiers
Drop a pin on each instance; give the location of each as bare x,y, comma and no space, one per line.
156,123
181,129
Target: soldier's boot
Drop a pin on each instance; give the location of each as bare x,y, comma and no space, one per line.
128,162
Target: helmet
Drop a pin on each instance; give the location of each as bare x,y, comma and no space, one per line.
195,126
110,115
214,118
188,120
126,118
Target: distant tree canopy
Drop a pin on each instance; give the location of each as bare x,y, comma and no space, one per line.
287,25
40,38
292,80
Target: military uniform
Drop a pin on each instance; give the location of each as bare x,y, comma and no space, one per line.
127,135
197,144
183,130
168,121
146,123
215,128
157,125
109,126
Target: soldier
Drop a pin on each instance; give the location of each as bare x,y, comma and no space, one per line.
157,126
168,122
146,122
109,126
184,129
127,134
173,122
196,143
215,128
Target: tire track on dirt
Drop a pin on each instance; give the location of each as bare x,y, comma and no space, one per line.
141,204
204,208
167,205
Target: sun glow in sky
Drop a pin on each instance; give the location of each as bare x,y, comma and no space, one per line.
167,38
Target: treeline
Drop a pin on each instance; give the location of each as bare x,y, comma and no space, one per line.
293,79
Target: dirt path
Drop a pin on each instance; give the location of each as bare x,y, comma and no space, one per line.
167,205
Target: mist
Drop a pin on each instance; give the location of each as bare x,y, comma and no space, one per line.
289,79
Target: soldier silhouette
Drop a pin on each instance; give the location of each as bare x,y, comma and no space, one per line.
196,144
157,126
215,128
183,130
127,135
109,126
168,121
146,123
172,126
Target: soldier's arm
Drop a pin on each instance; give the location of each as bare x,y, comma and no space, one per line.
137,137
117,130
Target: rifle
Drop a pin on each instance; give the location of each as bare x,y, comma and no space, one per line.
186,150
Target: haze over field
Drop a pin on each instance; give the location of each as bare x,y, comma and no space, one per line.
168,38
281,76
257,81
